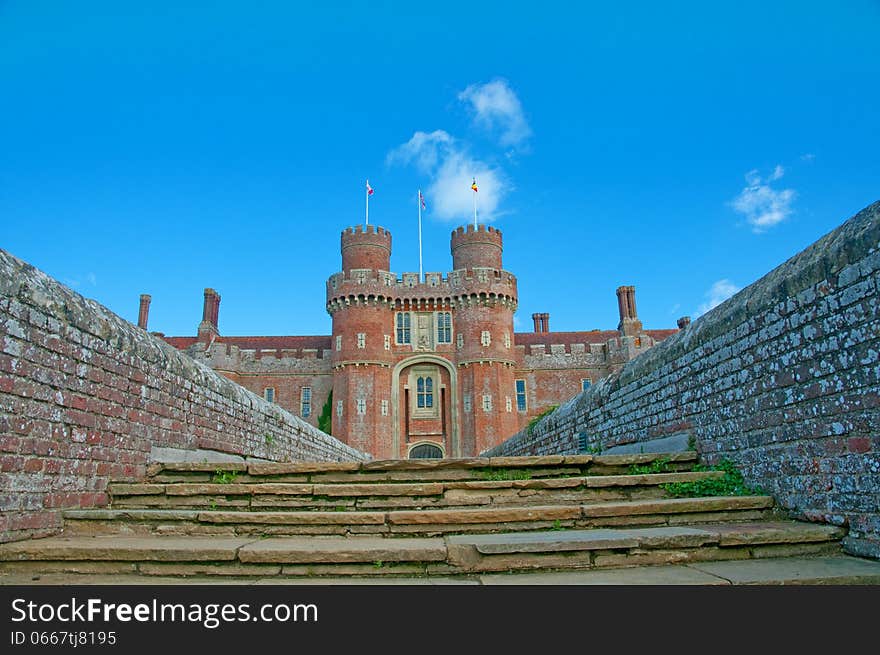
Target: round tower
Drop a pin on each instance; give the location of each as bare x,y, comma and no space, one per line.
476,248
485,303
357,300
366,247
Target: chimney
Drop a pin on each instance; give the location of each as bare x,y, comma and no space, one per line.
144,312
210,315
683,322
545,322
535,319
629,325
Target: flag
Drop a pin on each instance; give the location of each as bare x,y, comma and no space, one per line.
474,185
422,200
369,189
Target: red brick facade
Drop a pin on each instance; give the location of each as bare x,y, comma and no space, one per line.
415,361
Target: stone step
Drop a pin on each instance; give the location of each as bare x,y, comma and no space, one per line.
454,554
303,496
425,522
379,471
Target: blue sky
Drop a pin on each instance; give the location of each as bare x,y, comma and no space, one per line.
686,148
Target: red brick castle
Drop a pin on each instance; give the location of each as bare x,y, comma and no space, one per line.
421,366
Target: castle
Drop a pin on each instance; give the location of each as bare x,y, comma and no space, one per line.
421,366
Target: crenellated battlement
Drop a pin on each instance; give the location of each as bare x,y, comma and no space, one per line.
367,285
366,229
476,247
367,247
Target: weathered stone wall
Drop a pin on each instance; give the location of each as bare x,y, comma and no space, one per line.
782,379
85,395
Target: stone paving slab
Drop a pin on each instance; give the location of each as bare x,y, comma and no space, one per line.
796,570
545,542
644,575
336,550
115,547
675,505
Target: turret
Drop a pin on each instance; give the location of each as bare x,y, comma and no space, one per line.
366,247
476,248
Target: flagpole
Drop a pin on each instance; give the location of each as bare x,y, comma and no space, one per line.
367,194
475,210
419,202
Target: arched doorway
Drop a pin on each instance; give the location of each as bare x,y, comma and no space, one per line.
424,391
426,451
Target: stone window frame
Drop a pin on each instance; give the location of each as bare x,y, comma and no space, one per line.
507,340
339,408
361,340
487,402
305,402
444,327
384,408
432,373
459,341
361,405
338,342
485,338
403,328
508,403
586,383
269,394
522,400
387,342
466,402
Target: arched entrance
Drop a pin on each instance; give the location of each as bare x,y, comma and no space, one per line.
425,451
424,405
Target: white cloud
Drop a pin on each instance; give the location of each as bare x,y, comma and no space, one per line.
762,205
496,108
452,170
92,279
423,150
717,294
808,157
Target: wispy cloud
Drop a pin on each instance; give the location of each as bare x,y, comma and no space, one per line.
808,157
674,308
497,108
717,294
450,164
762,205
452,169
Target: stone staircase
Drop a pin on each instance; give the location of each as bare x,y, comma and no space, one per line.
451,517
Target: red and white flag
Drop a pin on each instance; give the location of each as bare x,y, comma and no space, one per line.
369,189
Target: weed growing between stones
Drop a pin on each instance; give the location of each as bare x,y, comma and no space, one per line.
732,484
505,474
534,421
657,466
224,477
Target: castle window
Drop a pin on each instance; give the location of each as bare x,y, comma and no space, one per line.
424,392
487,402
362,339
521,404
467,403
507,340
387,342
444,327
384,408
508,404
339,343
485,338
361,406
585,384
339,408
403,328
305,402
459,340
269,394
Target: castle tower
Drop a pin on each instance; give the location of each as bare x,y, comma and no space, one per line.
486,299
358,301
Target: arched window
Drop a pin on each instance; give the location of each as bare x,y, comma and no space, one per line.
426,451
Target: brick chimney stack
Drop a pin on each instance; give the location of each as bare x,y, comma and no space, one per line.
630,325
683,322
210,315
536,318
144,311
545,322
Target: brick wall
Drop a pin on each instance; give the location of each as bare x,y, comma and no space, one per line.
782,379
84,395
